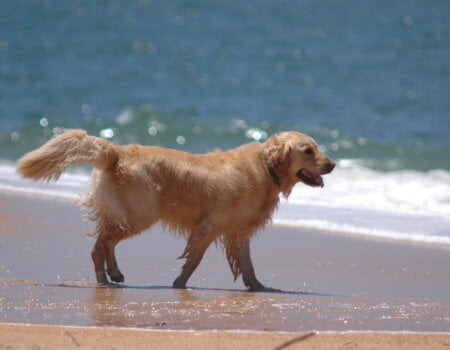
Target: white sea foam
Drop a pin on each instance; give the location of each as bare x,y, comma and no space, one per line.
70,186
404,205
353,186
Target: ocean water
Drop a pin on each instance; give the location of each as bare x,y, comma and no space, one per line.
368,80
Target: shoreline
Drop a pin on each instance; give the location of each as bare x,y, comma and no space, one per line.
83,304
442,245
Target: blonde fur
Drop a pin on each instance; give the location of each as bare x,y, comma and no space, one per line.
221,197
72,147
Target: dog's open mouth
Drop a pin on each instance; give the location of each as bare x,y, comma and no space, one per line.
309,179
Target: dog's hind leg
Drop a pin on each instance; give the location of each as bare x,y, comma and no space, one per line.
110,241
98,257
103,254
196,246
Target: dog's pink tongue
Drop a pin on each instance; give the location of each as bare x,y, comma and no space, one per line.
319,181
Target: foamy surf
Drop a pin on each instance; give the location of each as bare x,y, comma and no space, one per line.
368,224
405,206
352,185
70,186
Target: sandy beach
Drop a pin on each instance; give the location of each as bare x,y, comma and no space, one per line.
53,337
367,293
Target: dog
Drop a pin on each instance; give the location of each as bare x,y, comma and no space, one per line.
222,196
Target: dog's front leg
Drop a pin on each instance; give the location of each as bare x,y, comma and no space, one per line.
248,272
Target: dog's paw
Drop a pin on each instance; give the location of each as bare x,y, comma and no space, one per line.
179,284
117,277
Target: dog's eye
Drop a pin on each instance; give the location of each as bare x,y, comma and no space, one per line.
309,151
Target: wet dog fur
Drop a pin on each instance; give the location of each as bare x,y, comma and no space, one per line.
223,197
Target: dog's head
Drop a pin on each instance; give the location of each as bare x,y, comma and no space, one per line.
292,157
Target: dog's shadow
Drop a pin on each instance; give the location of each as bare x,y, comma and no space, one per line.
240,292
219,290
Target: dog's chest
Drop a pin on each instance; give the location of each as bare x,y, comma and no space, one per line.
247,213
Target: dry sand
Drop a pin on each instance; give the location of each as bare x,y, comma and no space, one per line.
53,337
331,283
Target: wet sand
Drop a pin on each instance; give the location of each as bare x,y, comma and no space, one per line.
330,283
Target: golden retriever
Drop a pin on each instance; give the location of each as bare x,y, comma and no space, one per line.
221,197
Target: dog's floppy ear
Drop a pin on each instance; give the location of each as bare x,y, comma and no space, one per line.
277,156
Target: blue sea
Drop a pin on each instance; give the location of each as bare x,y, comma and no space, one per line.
369,80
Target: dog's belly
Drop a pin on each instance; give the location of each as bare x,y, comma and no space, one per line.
241,216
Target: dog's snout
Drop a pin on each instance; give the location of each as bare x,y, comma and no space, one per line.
329,166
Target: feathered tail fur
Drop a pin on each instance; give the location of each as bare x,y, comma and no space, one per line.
72,147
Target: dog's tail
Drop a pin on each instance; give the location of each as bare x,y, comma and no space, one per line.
71,147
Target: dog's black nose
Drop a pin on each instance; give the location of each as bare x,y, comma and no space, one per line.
330,166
